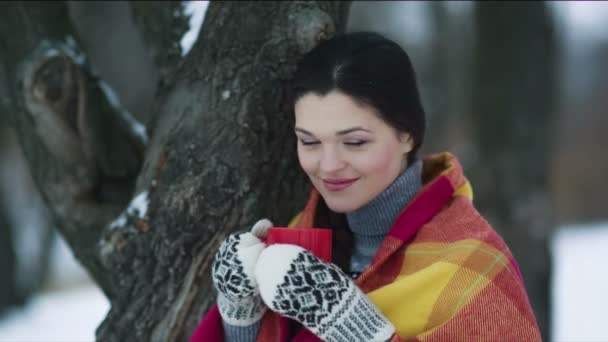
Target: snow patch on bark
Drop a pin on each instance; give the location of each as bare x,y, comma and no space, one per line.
136,210
196,10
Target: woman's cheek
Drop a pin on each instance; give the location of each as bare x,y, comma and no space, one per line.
306,161
377,161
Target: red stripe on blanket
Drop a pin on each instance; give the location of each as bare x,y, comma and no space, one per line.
422,208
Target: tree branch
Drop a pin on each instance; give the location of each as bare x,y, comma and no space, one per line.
83,148
161,24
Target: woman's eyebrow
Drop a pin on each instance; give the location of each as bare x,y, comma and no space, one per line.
342,132
301,130
349,130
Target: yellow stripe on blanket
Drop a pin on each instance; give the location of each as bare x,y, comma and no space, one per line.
294,220
409,300
465,190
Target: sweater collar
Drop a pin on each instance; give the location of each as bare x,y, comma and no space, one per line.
376,218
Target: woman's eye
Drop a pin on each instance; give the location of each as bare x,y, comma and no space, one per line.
355,143
307,143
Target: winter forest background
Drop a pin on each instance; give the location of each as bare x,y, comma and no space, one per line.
516,90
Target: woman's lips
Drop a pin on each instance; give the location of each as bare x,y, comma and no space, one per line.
338,184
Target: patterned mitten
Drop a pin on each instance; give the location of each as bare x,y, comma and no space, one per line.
298,285
238,299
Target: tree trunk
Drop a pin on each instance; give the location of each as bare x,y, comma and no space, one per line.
216,159
512,121
9,294
8,260
438,105
23,270
26,235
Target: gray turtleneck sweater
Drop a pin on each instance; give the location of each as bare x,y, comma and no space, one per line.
369,224
372,222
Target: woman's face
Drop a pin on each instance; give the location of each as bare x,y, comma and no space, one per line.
347,151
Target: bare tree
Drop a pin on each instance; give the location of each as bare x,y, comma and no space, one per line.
143,206
513,99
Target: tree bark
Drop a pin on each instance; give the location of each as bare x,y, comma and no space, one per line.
216,160
512,121
9,293
8,260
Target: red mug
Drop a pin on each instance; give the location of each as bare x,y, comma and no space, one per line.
316,240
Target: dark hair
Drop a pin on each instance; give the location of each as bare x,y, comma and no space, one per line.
372,70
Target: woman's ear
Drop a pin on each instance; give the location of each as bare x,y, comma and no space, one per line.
407,142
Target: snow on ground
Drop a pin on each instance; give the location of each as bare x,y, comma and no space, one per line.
580,282
59,316
69,310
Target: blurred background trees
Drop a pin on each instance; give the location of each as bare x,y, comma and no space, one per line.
512,118
508,87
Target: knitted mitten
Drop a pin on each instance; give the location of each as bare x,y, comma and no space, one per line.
298,285
238,299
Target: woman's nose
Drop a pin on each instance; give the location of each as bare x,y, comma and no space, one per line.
331,161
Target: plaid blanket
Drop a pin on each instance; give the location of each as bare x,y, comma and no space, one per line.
441,274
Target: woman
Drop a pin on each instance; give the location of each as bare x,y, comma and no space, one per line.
413,258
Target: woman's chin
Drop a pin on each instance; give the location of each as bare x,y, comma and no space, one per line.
339,202
341,207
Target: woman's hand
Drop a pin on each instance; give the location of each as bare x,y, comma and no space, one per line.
238,300
298,285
